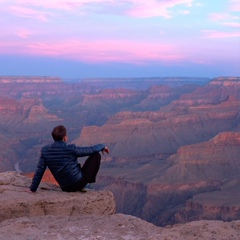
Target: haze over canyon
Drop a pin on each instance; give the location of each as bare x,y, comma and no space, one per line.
175,142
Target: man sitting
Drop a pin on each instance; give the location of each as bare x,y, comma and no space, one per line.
61,159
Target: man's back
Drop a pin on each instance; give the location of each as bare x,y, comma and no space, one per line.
61,159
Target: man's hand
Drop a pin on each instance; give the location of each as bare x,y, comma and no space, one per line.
105,150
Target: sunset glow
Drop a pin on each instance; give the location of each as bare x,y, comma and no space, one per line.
190,37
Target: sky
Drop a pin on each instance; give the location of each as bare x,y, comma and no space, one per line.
120,38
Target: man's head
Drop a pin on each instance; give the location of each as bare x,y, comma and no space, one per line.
59,133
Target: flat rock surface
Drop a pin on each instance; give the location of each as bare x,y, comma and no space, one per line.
16,202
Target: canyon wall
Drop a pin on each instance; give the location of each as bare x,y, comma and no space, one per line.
173,141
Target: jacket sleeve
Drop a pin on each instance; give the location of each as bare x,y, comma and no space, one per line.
38,174
87,151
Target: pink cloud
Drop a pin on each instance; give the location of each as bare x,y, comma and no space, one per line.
136,8
62,4
24,33
232,24
117,51
30,13
225,19
222,17
154,8
98,51
234,5
220,34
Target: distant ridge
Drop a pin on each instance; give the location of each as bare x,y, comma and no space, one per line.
29,79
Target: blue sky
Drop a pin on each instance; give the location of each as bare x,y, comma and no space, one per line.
130,38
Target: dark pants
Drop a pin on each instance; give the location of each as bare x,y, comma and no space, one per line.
89,170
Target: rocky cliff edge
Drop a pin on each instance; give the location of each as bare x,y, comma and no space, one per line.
52,214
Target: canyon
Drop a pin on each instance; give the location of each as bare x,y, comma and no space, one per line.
174,141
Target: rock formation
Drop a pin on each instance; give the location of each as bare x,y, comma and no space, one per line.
53,214
199,182
31,106
222,204
171,139
183,122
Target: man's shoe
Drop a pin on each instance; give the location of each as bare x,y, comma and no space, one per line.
87,188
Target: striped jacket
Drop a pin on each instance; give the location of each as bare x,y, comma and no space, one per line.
61,159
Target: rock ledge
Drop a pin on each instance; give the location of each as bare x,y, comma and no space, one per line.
52,214
16,202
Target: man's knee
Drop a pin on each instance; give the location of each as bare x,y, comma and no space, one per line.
97,155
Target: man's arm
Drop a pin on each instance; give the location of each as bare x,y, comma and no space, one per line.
87,151
38,174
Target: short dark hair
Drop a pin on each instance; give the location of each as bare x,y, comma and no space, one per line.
59,132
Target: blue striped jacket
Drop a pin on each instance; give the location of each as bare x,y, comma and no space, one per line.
61,159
